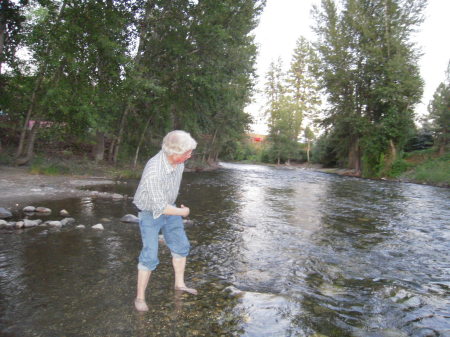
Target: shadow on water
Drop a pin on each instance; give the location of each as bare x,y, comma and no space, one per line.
275,252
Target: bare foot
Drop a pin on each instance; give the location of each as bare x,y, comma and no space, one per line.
188,290
140,305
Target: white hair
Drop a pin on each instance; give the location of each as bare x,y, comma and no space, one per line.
178,142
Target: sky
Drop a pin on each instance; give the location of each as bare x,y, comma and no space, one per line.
284,21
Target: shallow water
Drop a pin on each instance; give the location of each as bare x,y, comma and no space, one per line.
308,254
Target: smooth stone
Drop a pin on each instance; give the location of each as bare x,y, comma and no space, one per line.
19,224
63,212
80,226
67,221
10,225
130,218
233,291
98,226
188,222
117,196
29,209
54,223
3,224
4,213
31,223
43,210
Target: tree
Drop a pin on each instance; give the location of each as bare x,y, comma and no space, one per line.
439,109
369,70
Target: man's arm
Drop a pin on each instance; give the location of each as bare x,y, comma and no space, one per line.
172,210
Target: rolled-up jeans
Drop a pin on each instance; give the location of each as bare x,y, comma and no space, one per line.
172,229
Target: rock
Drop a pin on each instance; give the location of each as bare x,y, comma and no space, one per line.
233,291
67,221
29,209
117,196
130,218
10,225
19,224
57,224
4,213
43,210
188,222
98,226
31,223
80,226
3,224
63,212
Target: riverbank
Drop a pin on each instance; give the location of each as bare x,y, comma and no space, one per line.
19,187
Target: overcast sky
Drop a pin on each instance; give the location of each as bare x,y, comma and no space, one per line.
283,21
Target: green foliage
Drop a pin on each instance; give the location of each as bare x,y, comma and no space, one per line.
368,67
439,109
434,171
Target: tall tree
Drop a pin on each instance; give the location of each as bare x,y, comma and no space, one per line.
369,70
439,109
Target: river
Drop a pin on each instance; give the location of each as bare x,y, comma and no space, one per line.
275,252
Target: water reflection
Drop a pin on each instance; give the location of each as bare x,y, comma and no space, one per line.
310,253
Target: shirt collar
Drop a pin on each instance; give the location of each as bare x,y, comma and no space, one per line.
166,165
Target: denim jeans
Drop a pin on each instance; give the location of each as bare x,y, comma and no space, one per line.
173,231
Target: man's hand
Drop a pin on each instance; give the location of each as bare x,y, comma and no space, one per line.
184,211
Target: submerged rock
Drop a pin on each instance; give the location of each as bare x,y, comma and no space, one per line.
117,196
98,226
29,209
63,212
31,223
4,213
130,218
43,210
54,223
67,221
80,226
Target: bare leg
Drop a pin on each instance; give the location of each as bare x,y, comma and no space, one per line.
142,282
179,264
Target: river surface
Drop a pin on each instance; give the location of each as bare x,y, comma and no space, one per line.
275,252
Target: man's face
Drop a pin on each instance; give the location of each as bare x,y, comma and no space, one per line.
181,158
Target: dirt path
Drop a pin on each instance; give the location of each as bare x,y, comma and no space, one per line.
19,188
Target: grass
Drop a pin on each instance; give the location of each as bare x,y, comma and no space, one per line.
431,170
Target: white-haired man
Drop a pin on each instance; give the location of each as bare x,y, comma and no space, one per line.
155,197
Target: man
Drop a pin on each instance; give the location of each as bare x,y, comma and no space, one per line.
155,197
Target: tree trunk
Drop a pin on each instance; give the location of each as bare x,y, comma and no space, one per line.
308,148
98,150
120,135
354,156
2,40
211,149
30,145
141,140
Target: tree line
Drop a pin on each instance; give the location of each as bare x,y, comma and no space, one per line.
359,80
112,77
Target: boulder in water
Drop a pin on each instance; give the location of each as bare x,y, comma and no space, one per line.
29,209
130,218
44,210
98,226
63,212
31,223
57,224
67,221
4,213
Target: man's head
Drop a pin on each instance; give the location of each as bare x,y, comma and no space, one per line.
178,146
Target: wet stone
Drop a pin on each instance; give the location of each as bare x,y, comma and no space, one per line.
43,210
54,223
67,221
98,226
63,212
29,209
130,218
3,223
4,213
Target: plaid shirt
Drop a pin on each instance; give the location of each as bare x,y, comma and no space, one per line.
159,185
